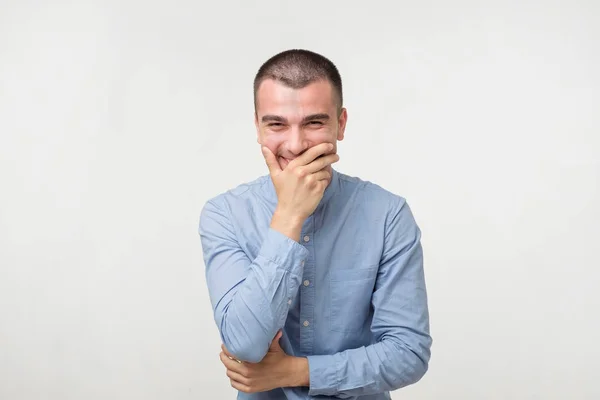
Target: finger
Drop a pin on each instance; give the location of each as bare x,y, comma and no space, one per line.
224,349
323,185
232,364
310,154
228,354
321,162
240,386
235,376
230,361
271,161
275,346
322,175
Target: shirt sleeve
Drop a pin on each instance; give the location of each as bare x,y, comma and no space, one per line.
401,352
250,298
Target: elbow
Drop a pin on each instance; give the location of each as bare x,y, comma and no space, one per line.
418,371
408,374
246,352
242,345
420,363
409,364
243,342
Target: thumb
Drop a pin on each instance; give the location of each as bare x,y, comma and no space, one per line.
271,161
275,343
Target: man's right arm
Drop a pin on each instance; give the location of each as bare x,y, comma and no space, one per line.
250,298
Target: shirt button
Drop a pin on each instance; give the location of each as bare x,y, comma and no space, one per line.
306,282
290,301
305,323
302,263
306,238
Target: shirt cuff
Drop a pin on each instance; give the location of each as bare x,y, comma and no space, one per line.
323,375
283,251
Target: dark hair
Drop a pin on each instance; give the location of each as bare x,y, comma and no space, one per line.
297,68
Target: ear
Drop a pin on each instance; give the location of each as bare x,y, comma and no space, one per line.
342,119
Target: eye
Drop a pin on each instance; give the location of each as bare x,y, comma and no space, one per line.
275,124
315,123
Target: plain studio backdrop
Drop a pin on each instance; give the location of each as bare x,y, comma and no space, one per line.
118,120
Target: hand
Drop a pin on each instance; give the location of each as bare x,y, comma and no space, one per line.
275,370
300,186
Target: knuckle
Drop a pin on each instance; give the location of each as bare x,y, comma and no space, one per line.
300,172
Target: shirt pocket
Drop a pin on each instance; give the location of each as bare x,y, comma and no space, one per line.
350,292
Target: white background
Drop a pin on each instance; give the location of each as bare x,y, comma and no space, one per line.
118,120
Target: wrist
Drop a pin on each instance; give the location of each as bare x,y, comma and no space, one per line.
298,372
288,224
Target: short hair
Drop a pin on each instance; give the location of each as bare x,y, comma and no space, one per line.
297,68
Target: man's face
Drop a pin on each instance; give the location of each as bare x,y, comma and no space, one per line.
289,121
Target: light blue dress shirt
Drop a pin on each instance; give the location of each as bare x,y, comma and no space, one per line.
350,296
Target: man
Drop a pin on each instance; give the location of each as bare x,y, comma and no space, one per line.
315,277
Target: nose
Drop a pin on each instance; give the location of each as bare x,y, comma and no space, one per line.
296,142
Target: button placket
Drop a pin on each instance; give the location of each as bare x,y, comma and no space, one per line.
307,290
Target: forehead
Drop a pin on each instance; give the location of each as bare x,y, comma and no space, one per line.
274,97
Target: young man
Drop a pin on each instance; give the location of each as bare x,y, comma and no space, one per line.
315,277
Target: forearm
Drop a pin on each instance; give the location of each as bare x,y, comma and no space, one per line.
252,312
250,297
384,366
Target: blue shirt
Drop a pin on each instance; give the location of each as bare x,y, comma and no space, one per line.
350,296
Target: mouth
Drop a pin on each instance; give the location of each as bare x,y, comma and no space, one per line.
285,161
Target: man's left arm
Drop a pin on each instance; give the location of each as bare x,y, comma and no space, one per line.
401,354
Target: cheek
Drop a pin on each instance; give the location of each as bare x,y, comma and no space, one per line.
314,137
323,136
272,142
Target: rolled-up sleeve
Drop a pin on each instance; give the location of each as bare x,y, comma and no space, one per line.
401,353
250,298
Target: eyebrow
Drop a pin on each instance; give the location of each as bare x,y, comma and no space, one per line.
312,117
